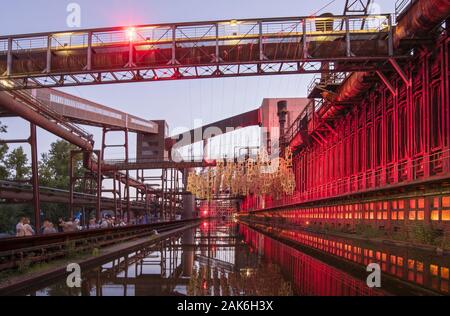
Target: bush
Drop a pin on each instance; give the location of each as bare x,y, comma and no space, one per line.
425,234
367,231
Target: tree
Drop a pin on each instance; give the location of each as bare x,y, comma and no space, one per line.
54,165
54,173
17,163
3,150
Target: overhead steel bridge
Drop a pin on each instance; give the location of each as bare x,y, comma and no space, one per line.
250,47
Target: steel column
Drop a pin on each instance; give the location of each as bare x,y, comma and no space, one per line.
35,178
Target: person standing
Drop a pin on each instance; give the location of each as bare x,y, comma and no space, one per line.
20,232
29,231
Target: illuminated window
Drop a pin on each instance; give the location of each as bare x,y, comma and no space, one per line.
420,215
446,215
435,202
411,264
421,203
446,201
419,266
445,273
434,269
435,215
401,216
412,215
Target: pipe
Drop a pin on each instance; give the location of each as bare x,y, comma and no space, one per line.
422,16
282,113
20,109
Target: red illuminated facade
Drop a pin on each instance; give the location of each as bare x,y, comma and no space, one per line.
381,157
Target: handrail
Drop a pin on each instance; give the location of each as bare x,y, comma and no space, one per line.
40,107
363,182
104,34
401,5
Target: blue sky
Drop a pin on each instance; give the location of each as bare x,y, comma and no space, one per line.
179,102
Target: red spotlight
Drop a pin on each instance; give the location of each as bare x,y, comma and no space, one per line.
131,34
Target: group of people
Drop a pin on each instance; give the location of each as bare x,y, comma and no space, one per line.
106,222
24,228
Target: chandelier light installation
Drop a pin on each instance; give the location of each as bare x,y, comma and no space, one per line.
259,176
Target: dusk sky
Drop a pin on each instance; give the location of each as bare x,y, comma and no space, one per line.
178,102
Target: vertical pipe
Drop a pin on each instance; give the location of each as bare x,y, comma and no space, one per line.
261,44
174,45
115,193
71,184
128,177
347,37
48,68
391,37
282,113
217,45
9,58
163,196
89,52
305,43
34,167
99,185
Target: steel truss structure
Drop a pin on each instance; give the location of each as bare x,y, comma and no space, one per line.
395,135
213,49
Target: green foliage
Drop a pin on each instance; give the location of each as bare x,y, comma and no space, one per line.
10,214
3,150
367,231
54,165
17,164
425,234
53,172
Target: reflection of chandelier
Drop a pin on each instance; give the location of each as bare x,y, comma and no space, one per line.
258,176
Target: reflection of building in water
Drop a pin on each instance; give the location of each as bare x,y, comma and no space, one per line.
233,259
414,266
225,266
309,276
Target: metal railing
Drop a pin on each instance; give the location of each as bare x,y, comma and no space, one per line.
401,5
152,160
198,31
44,109
302,121
378,178
24,187
330,78
200,49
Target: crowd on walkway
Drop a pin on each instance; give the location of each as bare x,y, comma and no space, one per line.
24,228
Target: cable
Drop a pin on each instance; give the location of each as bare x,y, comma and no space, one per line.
324,7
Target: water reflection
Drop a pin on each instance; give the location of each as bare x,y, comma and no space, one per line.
229,259
211,259
421,270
